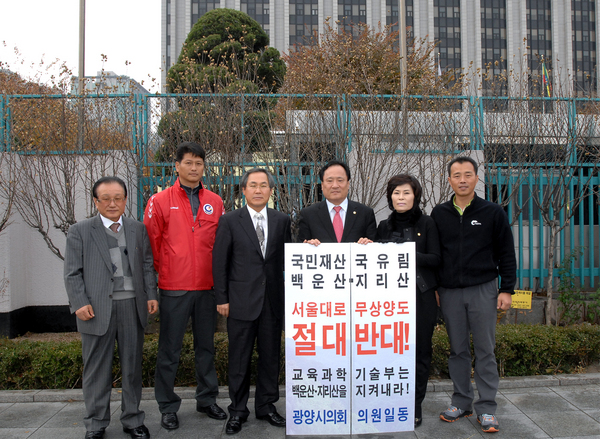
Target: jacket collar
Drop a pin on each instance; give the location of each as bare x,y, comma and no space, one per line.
180,187
473,202
99,237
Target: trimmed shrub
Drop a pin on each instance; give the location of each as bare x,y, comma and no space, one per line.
544,350
40,365
523,350
520,350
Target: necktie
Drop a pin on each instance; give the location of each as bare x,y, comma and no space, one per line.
114,227
260,232
338,226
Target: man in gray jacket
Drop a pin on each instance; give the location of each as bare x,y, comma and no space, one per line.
111,284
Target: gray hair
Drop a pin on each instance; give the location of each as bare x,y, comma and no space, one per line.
244,180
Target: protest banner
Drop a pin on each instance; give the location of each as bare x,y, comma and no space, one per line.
350,347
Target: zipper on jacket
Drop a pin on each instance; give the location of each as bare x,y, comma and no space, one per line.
462,238
462,241
189,203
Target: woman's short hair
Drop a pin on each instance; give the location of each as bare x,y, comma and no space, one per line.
402,179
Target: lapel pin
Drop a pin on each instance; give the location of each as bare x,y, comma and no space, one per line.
354,212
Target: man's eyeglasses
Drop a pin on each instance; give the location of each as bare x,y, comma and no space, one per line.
106,200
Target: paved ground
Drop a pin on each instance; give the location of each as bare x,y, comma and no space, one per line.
566,406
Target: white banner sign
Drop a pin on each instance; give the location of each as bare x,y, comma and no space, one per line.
349,338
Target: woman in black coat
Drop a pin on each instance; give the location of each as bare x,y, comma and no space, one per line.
407,223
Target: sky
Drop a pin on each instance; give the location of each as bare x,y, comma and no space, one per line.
125,31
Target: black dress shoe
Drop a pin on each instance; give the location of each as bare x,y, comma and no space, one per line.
213,411
274,419
140,432
169,421
234,425
98,434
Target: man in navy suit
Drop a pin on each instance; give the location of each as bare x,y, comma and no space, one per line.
248,262
336,219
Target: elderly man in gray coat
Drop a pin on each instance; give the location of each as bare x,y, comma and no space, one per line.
111,284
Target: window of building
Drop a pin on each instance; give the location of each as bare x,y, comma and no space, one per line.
352,12
446,20
392,15
494,53
304,14
201,7
583,20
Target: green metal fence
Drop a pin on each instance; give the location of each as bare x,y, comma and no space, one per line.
524,149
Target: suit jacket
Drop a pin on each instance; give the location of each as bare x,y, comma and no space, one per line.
89,276
315,223
242,276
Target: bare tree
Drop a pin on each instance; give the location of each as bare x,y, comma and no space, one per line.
508,133
7,188
564,169
362,118
46,194
539,152
55,175
110,139
437,132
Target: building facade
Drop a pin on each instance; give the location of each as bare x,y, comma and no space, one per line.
518,37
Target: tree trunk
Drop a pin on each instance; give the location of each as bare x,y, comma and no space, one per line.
550,287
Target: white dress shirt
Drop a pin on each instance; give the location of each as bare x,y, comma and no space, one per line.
264,221
107,223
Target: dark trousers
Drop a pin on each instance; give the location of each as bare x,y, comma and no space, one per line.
97,352
175,312
426,317
266,330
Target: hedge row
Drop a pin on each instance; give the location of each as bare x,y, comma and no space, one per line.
520,350
523,350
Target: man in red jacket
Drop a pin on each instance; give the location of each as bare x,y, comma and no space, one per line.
181,222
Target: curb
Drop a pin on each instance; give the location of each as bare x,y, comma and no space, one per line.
435,385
